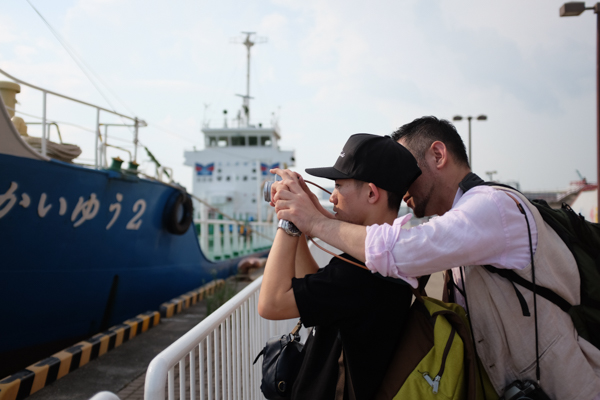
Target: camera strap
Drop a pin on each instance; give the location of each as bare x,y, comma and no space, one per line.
519,296
537,351
463,292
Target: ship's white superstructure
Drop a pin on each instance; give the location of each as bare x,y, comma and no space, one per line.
231,169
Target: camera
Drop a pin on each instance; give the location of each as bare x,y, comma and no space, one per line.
287,226
267,191
524,390
267,188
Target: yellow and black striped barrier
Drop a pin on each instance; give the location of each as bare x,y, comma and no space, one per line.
28,381
178,304
33,378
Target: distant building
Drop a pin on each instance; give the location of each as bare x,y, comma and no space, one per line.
556,198
580,195
586,203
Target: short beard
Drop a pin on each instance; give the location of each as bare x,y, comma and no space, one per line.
419,210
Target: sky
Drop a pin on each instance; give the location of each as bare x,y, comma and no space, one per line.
328,69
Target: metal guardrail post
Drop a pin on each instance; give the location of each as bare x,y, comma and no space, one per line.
44,124
227,252
135,139
105,147
217,248
97,148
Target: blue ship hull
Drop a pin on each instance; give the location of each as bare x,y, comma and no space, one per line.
82,250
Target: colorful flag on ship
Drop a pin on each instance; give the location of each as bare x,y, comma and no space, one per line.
264,168
205,169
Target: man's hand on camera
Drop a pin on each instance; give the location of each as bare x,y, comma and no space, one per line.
303,185
276,187
297,204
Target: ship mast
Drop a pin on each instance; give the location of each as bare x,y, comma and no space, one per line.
250,40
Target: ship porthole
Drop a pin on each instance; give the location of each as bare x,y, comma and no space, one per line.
178,213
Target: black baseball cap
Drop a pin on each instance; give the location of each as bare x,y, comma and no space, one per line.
376,159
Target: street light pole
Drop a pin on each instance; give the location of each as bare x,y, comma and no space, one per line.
573,9
469,118
596,10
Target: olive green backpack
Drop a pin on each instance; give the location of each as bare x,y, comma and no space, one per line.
435,358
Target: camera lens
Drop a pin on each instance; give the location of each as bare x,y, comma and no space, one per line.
267,191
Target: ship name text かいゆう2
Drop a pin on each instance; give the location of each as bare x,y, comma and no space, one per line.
84,210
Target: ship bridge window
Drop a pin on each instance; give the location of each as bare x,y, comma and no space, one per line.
253,140
238,141
223,142
265,140
212,141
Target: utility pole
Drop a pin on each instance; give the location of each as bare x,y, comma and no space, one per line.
572,9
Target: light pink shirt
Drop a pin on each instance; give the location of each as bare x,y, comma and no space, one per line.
483,227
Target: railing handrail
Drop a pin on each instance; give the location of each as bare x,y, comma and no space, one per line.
141,122
233,222
156,381
97,150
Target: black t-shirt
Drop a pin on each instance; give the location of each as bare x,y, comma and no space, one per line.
354,308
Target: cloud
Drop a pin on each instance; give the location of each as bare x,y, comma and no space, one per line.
336,67
7,30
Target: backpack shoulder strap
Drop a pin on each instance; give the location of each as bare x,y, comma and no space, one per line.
470,181
541,290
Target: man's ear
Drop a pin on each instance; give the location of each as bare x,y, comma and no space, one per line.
440,154
374,194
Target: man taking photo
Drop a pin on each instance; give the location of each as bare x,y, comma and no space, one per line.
475,226
352,311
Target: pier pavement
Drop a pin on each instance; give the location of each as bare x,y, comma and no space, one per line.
123,370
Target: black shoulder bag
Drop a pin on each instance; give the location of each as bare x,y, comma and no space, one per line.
282,358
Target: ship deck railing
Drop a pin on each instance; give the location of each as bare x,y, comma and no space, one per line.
101,144
222,239
214,360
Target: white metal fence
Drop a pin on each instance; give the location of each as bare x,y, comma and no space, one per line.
105,396
214,359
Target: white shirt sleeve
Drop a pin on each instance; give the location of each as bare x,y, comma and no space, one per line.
484,226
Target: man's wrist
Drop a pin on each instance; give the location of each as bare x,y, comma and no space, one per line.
319,226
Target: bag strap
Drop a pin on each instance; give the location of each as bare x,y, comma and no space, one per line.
294,331
464,293
534,286
537,350
470,181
